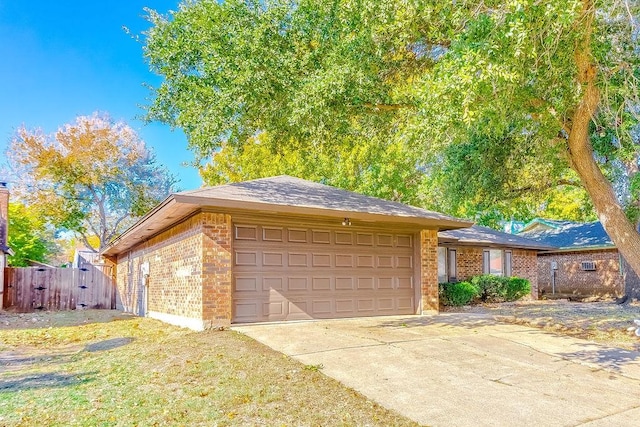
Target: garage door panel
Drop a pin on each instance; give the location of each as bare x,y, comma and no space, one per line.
385,282
298,310
298,284
321,237
322,307
297,235
385,261
344,238
364,261
272,259
272,234
247,284
321,284
405,303
248,258
298,260
404,261
344,260
366,305
294,273
321,260
405,282
386,304
366,283
364,239
385,240
276,283
344,283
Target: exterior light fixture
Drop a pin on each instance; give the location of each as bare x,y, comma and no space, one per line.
346,222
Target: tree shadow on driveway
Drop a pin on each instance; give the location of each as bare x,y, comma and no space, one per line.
469,321
612,359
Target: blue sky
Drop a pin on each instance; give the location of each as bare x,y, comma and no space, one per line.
61,59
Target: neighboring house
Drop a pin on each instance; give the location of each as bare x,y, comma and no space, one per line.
584,263
278,248
84,258
477,250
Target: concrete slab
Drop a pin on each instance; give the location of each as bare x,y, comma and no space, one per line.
460,369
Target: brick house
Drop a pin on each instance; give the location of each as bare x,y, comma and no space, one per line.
4,234
277,248
583,263
468,252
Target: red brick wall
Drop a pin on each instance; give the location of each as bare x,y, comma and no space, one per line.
523,264
429,270
468,262
605,281
189,272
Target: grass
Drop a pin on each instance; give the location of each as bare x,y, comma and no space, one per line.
603,322
92,368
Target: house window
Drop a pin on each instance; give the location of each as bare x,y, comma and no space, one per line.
507,264
452,264
442,265
493,262
447,271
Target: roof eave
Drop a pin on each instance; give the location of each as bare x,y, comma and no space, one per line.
580,249
448,223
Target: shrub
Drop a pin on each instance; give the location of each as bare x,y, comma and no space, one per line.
490,288
457,294
500,289
517,288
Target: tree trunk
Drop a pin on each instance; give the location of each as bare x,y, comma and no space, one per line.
609,210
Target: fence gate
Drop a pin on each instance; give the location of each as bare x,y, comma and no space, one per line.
38,288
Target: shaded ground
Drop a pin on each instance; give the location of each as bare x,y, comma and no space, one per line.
105,368
603,322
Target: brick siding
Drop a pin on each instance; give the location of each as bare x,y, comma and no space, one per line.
429,270
469,263
605,281
189,271
524,263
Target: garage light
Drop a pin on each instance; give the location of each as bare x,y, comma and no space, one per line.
346,222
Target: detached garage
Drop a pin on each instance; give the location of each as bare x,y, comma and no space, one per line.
278,249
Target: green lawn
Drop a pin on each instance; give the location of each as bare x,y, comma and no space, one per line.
96,368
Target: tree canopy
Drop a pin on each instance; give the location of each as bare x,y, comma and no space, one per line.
29,237
529,95
93,177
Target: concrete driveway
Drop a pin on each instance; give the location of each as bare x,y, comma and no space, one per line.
459,369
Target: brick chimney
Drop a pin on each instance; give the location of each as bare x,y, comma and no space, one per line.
4,215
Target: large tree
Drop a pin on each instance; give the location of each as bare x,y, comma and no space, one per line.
93,177
29,237
550,86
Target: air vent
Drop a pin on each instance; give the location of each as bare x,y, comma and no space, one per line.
588,265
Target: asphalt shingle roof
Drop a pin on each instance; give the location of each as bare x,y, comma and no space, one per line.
572,235
295,192
488,236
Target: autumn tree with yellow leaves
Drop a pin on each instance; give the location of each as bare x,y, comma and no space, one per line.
93,177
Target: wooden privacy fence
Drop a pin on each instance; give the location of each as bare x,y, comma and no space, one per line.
37,288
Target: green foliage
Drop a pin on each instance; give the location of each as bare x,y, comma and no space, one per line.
93,177
480,95
457,294
500,289
517,288
29,237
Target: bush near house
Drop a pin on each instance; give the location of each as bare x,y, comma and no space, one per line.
457,294
484,288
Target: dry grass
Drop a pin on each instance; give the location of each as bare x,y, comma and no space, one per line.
105,368
604,322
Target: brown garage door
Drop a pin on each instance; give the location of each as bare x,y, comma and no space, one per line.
290,273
